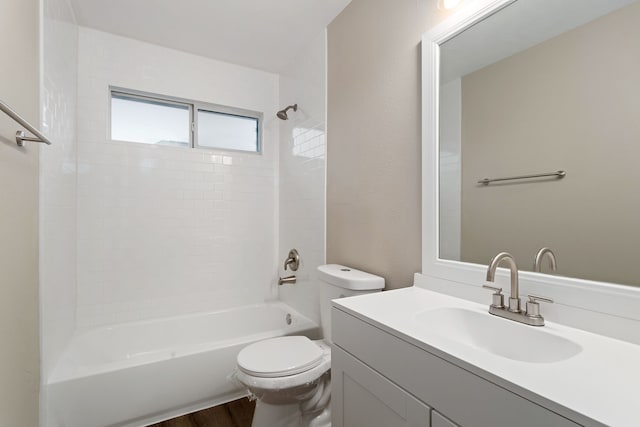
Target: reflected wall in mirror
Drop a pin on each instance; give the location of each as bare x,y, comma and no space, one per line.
541,86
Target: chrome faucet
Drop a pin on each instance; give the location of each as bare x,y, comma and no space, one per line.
293,260
537,263
513,312
514,298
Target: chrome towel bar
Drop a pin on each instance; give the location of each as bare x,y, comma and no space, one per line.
20,137
558,174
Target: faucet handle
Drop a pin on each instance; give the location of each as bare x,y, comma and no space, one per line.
497,299
534,298
533,308
293,260
496,290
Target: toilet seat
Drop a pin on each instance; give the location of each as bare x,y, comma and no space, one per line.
312,373
280,357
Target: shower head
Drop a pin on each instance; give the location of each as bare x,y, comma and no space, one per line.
282,114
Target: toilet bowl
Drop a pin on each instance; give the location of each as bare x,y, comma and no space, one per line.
291,376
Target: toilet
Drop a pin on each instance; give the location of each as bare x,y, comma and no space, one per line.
290,376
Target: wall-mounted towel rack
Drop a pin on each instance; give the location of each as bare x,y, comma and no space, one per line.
20,137
558,174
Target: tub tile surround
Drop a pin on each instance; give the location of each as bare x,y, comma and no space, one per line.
159,241
302,174
163,230
166,233
58,182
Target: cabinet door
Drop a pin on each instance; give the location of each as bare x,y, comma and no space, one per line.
437,420
361,397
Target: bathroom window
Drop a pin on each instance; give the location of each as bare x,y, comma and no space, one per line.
149,121
227,131
158,120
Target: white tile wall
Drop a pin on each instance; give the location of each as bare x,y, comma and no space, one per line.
302,173
58,182
164,230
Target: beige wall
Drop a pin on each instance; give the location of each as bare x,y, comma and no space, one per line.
578,99
374,136
19,83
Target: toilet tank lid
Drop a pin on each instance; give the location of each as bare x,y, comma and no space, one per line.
350,278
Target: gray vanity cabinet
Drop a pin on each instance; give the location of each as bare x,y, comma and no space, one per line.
381,380
362,397
437,420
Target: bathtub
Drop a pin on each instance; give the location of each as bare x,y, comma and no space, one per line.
139,373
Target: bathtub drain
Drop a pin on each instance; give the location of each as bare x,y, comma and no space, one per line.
288,318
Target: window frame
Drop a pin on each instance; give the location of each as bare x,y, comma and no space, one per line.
194,107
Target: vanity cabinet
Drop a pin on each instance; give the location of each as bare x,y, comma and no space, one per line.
363,397
381,380
438,420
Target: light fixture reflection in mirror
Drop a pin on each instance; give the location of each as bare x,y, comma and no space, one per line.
449,4
518,97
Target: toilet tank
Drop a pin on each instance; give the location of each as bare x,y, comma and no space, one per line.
338,281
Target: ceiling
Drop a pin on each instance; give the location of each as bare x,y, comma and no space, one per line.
263,34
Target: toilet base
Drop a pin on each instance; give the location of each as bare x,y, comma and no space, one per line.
323,419
268,415
304,406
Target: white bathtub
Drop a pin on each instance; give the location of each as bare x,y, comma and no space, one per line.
138,373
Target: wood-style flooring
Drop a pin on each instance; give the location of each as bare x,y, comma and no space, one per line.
238,413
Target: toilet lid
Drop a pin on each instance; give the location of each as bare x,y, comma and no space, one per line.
279,357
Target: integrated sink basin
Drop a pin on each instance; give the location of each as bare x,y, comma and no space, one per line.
497,336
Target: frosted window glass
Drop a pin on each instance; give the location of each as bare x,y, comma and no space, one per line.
149,121
227,131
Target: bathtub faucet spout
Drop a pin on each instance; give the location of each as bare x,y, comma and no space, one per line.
288,279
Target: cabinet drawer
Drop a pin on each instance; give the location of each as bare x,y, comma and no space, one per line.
465,398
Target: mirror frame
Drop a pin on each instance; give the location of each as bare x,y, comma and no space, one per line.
607,298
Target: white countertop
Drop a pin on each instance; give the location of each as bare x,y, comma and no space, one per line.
601,383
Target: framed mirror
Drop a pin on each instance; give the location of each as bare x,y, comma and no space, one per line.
521,88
